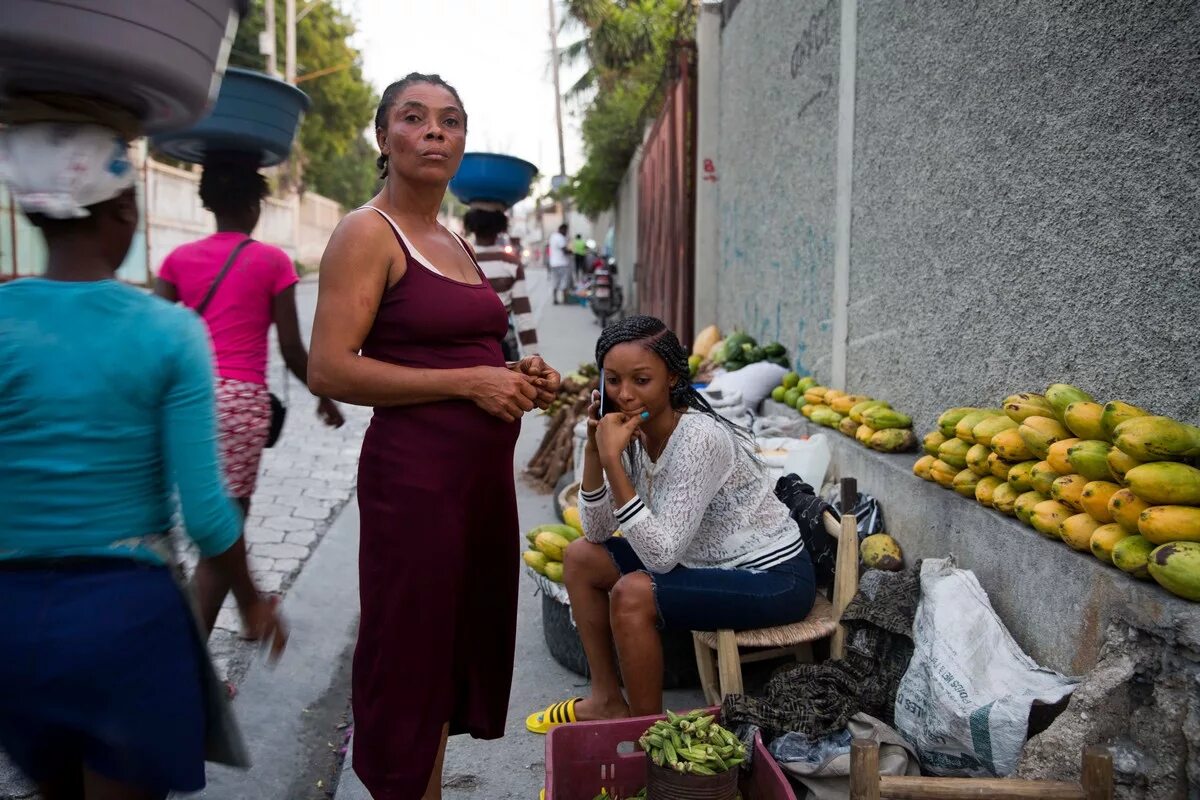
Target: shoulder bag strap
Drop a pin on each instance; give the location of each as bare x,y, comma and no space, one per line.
212,290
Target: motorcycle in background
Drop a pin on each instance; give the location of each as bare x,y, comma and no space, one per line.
605,297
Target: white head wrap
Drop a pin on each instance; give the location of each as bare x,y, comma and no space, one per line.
59,169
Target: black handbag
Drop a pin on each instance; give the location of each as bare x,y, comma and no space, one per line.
278,409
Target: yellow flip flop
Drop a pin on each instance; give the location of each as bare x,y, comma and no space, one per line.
553,715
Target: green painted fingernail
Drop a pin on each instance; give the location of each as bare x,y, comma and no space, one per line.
645,415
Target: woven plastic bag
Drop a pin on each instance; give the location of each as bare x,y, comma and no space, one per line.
964,701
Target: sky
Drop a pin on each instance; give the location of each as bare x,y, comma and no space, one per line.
497,55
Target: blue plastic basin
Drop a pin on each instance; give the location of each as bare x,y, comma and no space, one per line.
494,177
254,113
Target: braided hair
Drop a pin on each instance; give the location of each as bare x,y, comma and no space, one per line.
389,99
231,183
653,334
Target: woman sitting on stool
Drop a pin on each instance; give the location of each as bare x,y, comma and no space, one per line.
706,544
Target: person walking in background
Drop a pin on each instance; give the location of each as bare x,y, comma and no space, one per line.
106,412
579,250
407,322
560,264
502,266
239,287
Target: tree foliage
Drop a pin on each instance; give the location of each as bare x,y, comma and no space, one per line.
626,46
338,161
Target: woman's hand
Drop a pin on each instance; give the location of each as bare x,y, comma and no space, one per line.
614,432
262,622
593,421
546,378
329,413
503,393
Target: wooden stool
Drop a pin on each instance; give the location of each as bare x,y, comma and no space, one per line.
867,784
724,676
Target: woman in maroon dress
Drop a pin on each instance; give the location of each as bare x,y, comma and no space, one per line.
407,323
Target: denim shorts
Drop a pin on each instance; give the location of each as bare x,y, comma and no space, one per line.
101,667
719,599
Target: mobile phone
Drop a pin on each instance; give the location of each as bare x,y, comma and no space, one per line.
605,408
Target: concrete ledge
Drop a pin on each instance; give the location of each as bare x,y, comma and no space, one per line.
1057,602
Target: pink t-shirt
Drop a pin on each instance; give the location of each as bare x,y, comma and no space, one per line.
239,315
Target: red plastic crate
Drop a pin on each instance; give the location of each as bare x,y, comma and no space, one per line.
583,757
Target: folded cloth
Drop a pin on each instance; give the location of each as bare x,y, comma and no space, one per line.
59,169
819,699
807,508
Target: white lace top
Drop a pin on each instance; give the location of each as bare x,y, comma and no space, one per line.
707,502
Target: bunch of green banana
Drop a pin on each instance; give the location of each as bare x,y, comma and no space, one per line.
693,743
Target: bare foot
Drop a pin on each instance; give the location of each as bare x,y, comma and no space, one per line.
594,708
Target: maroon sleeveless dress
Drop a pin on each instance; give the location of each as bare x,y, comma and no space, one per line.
439,549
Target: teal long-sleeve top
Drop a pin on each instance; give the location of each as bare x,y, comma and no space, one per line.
107,411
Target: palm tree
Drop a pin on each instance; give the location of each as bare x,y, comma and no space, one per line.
620,36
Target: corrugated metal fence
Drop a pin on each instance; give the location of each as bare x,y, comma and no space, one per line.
667,204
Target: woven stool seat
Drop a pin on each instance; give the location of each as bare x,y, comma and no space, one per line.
817,625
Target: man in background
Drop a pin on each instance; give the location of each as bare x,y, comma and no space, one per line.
560,266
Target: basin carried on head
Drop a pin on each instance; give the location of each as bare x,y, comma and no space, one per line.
255,113
161,59
493,177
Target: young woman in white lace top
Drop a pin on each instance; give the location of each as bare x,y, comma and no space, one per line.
705,543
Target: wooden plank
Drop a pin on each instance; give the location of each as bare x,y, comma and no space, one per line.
864,770
894,788
832,526
1097,773
729,666
707,670
845,577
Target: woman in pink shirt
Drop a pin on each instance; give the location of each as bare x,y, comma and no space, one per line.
258,289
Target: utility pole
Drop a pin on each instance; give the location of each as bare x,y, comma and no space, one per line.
267,45
290,55
562,156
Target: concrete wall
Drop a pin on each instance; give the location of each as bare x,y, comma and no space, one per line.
1025,196
776,169
627,232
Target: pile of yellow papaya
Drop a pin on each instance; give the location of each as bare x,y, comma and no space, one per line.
1112,479
872,423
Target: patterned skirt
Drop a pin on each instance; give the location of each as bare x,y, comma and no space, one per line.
243,423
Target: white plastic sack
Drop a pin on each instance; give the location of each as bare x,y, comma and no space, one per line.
964,701
810,460
753,382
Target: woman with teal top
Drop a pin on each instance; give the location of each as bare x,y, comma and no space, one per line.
106,415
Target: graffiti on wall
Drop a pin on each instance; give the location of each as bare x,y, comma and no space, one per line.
782,305
816,36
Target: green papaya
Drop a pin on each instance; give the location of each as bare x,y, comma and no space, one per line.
1165,483
880,418
1115,412
1019,407
1061,395
1025,504
1090,459
954,452
535,560
1176,568
1083,418
892,440
965,429
1020,477
965,483
932,441
950,418
1157,439
1132,555
984,431
554,571
977,459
